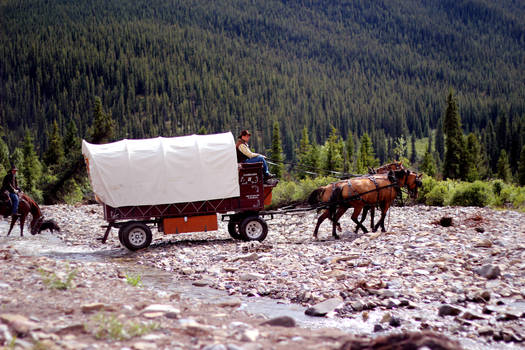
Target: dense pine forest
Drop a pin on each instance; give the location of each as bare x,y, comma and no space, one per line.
382,70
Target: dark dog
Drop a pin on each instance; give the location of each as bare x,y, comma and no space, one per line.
50,225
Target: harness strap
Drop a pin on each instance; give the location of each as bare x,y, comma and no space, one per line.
377,186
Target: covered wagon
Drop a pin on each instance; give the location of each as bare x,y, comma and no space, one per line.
177,184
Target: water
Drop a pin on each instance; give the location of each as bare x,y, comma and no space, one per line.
48,245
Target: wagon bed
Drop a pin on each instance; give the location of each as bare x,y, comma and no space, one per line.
243,211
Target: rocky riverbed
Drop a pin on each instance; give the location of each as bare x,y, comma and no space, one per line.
465,281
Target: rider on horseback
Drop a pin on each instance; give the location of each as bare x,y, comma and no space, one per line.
11,185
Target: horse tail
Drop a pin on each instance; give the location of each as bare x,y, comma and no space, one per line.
337,195
313,199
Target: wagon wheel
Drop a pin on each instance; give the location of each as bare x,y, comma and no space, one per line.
233,229
135,235
253,228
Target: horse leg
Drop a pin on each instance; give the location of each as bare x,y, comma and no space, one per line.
363,217
335,218
22,222
322,218
381,221
13,221
372,214
355,215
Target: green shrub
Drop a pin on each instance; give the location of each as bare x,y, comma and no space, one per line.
476,194
512,196
288,192
428,184
438,195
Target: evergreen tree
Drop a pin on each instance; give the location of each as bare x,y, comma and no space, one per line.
54,154
413,155
303,154
454,140
429,144
521,167
350,152
428,164
440,140
4,157
202,131
503,167
400,148
333,160
472,158
103,128
366,157
31,167
277,151
72,142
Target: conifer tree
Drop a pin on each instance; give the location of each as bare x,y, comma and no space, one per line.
277,151
31,167
303,154
413,155
4,157
72,141
350,152
55,150
472,158
440,140
366,157
333,158
428,164
400,148
454,140
103,128
521,167
503,167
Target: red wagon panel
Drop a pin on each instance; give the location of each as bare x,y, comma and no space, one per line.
252,198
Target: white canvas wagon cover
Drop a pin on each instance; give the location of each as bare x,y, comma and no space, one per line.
163,170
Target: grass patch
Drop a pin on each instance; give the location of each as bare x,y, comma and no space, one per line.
53,281
135,281
106,326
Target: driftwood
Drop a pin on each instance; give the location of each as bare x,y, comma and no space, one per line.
404,341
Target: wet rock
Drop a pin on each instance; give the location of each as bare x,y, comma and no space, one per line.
200,283
486,331
215,347
324,307
448,310
469,315
156,310
378,328
144,346
282,321
489,271
19,323
249,335
251,276
395,322
94,307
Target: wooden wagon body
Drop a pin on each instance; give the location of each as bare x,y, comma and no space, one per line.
245,223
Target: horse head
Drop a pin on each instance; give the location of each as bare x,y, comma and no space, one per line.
413,182
315,196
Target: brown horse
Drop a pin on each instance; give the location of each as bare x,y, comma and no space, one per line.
324,195
373,190
359,194
28,206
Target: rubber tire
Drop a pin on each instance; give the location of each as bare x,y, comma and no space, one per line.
135,236
233,230
253,228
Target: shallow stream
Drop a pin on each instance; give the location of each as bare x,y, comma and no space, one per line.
161,281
